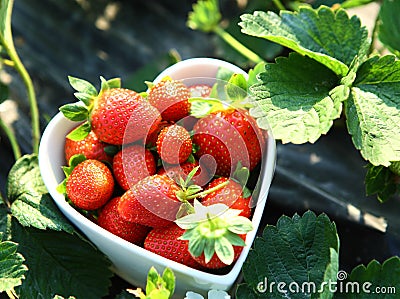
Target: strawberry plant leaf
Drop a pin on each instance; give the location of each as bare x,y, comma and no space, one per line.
301,249
73,267
330,37
12,268
374,275
31,203
5,221
380,180
373,110
294,99
389,25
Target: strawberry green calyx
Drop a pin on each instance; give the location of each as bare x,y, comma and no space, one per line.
225,95
214,229
157,286
72,163
80,111
191,191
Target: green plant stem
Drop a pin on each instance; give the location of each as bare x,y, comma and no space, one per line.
8,45
234,43
279,4
11,137
8,62
208,191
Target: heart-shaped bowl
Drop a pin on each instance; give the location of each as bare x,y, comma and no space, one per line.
132,262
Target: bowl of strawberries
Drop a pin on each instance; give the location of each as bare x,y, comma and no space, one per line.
176,176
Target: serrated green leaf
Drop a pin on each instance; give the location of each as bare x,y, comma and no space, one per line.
389,25
330,275
244,291
373,110
31,203
5,222
205,16
80,132
82,86
376,275
380,181
297,250
294,99
75,112
60,264
12,268
330,37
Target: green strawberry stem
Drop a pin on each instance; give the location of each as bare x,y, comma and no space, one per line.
208,191
7,42
238,46
12,138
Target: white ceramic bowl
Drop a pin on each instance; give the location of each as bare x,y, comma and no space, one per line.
129,261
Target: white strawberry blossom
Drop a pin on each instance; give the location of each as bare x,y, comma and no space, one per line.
213,294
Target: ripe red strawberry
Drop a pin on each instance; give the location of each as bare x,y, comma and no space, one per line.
116,115
151,139
133,163
230,195
90,185
151,202
229,136
170,97
123,116
110,220
215,262
165,241
200,178
91,147
174,144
